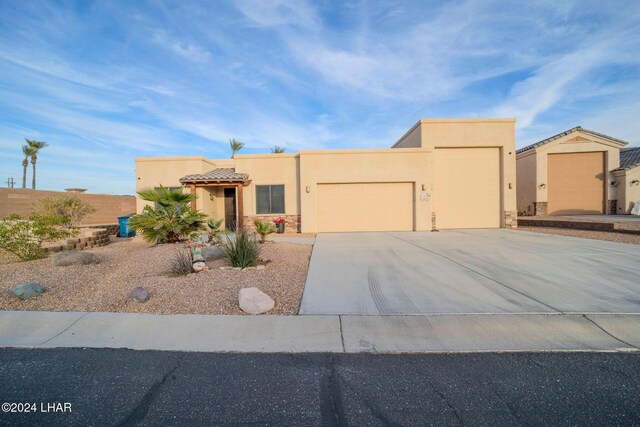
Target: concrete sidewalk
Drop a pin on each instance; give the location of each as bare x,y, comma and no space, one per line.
323,333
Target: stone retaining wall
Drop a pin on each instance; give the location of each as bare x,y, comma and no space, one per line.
577,225
112,229
96,237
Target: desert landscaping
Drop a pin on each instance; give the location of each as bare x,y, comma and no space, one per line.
125,264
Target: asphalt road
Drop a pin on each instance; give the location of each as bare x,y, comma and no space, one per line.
125,387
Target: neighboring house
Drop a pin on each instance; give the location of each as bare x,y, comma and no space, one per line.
443,173
628,179
573,172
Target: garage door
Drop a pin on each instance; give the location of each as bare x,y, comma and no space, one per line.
575,183
466,191
365,207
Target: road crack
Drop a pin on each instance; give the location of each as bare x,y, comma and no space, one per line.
141,410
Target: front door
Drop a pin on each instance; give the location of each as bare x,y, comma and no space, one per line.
230,208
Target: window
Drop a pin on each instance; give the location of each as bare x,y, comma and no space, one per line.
269,199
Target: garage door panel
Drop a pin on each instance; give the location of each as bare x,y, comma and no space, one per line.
365,207
467,187
575,183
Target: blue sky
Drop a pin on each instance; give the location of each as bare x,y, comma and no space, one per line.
104,82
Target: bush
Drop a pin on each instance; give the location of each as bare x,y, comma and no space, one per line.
24,237
242,251
170,220
214,229
264,229
71,210
182,263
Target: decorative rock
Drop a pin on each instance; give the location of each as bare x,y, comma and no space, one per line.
211,253
62,259
140,294
260,267
27,290
254,301
237,268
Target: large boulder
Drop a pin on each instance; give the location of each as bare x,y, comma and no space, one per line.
140,294
62,259
27,290
254,301
211,253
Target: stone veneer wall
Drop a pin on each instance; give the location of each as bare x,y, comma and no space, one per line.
612,207
539,208
96,237
511,219
292,222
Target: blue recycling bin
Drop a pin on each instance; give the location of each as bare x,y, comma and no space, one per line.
125,231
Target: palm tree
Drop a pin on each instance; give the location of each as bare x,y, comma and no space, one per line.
35,146
235,146
28,152
278,150
171,219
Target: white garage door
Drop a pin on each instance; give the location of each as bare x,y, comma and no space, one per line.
466,191
365,207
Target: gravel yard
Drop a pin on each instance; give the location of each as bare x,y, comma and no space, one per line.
128,263
586,234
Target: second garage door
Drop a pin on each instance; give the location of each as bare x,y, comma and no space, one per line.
385,206
466,191
576,183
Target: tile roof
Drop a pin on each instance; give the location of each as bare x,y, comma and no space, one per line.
629,158
567,132
219,174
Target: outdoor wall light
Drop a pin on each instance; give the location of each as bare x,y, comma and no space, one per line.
542,186
614,183
634,182
308,189
424,187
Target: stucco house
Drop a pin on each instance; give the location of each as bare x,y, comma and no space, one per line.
628,179
443,173
578,171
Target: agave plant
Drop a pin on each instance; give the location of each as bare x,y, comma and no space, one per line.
170,220
264,229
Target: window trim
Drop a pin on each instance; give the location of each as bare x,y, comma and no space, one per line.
284,206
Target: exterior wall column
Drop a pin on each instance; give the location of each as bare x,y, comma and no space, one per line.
240,197
193,193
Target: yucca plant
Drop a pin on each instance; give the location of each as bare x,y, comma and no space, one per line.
170,220
242,251
264,229
183,262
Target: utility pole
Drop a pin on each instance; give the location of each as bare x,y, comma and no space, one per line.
10,182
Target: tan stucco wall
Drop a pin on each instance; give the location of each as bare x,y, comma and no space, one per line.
499,133
526,188
576,142
628,193
108,207
271,169
155,171
360,166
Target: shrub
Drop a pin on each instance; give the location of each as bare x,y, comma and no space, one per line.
263,229
170,220
24,237
242,251
214,229
71,210
182,263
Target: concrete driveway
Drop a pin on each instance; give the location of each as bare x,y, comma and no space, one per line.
470,271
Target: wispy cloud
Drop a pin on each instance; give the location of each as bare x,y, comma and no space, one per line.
110,81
